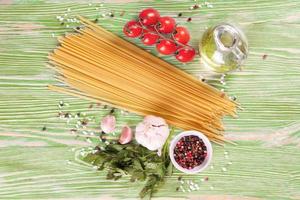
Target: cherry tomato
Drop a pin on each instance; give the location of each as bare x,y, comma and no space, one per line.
166,24
132,29
181,35
149,16
166,47
185,54
150,38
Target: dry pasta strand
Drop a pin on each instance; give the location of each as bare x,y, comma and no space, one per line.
100,66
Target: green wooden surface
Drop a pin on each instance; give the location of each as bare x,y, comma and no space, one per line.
41,164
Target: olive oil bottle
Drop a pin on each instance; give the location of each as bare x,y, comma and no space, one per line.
223,48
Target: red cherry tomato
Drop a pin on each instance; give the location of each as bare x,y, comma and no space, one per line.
149,16
166,47
150,38
166,24
181,35
132,29
185,54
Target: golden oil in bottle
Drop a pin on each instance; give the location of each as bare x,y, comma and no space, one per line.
223,48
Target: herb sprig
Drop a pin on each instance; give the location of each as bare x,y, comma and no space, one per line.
136,161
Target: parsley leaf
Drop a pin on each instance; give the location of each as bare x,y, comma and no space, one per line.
136,161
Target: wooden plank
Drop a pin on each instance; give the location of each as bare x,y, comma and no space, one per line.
40,164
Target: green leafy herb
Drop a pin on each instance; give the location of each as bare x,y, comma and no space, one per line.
136,161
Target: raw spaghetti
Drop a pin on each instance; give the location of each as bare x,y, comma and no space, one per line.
101,66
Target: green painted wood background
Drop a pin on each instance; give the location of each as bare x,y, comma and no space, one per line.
41,164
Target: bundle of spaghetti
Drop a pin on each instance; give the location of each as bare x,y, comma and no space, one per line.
101,66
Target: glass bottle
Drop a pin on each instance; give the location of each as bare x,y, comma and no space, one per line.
223,48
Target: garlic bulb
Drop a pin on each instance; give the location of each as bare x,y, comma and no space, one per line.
152,132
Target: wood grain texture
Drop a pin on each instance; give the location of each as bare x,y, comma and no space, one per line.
41,164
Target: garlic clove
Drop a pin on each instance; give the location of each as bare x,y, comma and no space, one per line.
126,135
108,124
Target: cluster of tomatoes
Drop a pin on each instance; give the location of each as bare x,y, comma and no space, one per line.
169,39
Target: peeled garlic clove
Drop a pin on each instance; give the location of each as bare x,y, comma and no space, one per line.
108,124
126,135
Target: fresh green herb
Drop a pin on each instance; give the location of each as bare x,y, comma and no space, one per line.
136,161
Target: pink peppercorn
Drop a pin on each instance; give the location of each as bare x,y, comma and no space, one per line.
190,152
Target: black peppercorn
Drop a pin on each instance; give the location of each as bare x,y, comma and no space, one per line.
190,152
